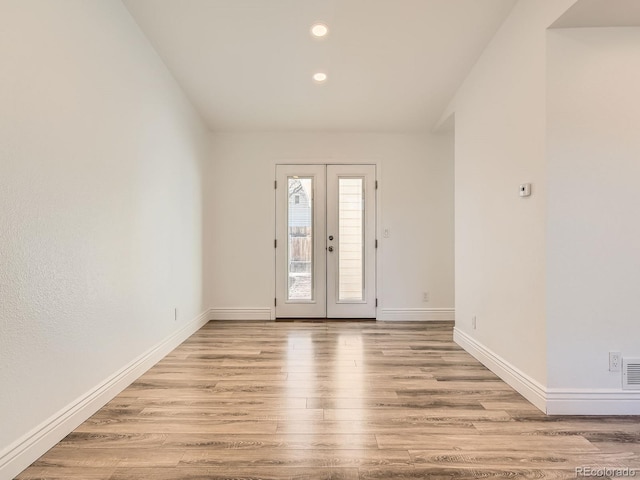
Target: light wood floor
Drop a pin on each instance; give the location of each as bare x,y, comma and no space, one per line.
330,400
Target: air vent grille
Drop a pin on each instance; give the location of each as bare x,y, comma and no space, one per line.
631,373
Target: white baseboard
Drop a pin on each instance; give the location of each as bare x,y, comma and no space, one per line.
385,314
521,382
592,402
31,446
240,314
416,314
553,401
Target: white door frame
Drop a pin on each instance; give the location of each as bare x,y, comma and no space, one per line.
376,214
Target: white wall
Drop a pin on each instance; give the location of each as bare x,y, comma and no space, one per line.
416,204
100,211
500,237
593,236
553,278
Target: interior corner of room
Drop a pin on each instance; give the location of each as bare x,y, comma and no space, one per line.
137,196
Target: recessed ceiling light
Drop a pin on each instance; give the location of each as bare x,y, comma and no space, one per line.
319,30
320,77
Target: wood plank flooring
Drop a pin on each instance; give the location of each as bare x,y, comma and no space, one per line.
330,400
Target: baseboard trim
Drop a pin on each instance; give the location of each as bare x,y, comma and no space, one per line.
553,401
31,446
240,314
520,381
416,314
385,314
592,402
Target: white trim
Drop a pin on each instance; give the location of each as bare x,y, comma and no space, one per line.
416,314
27,449
386,314
529,388
592,402
240,314
552,401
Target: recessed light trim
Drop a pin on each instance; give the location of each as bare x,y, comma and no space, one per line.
319,77
319,30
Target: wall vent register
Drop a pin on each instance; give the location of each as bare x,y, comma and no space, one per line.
631,373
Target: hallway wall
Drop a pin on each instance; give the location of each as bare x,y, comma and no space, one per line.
593,262
500,237
100,211
415,203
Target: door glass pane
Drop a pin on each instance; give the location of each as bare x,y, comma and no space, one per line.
351,239
300,238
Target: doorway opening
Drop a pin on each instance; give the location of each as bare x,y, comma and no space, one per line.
325,241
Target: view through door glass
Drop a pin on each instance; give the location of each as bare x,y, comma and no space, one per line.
300,238
351,239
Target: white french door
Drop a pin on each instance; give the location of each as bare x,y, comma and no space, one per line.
301,275
351,259
325,241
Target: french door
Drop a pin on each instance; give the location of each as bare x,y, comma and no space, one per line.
325,241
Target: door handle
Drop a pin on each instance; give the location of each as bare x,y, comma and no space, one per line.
330,237
330,249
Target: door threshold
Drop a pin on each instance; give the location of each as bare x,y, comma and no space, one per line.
321,320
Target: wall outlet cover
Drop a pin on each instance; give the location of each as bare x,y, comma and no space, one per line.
615,361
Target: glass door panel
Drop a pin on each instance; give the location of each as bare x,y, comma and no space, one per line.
300,238
351,239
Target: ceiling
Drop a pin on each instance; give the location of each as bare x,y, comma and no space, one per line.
392,65
601,13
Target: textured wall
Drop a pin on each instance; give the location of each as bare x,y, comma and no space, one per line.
100,203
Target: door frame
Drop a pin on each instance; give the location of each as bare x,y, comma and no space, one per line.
377,217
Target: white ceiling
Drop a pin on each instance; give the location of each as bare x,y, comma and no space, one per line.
393,65
601,13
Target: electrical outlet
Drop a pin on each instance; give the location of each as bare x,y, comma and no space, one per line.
175,314
474,322
425,296
386,233
615,361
